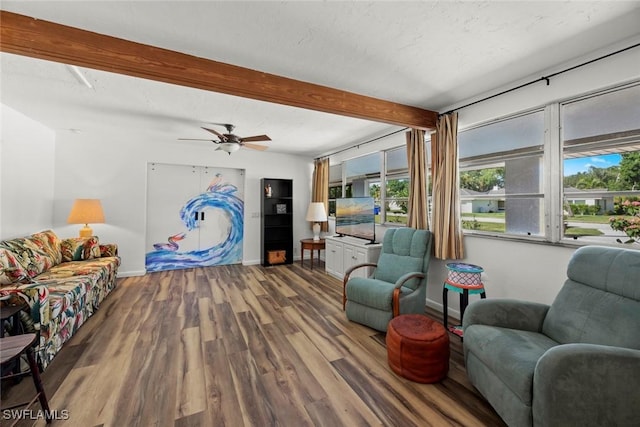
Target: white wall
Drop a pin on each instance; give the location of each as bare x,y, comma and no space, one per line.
517,269
114,170
26,174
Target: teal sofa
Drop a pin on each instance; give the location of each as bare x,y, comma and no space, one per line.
574,363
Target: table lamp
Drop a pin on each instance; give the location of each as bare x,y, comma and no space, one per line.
85,211
316,214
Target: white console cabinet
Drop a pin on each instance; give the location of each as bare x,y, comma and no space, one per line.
341,253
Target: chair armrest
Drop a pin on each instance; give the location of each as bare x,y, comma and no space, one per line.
108,249
395,299
506,313
345,279
587,384
355,267
408,276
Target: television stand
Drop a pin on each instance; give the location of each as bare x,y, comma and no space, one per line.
344,252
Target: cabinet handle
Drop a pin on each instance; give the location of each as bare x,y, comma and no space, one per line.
201,216
196,216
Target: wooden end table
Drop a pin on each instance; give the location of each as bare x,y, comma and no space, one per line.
12,314
310,244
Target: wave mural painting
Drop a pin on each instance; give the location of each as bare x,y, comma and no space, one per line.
222,197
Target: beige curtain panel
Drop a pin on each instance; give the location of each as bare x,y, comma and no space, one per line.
417,213
446,225
320,189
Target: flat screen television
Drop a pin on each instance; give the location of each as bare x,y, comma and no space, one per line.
355,216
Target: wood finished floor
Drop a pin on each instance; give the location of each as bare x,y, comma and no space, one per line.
241,346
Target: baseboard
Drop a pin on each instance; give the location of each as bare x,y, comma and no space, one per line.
438,307
131,273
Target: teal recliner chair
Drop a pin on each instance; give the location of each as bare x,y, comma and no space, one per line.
574,363
398,284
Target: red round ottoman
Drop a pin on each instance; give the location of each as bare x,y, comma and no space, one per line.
418,348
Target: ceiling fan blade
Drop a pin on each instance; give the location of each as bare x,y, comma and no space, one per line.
255,138
215,132
255,146
193,139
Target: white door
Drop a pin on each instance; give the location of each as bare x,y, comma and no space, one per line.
195,216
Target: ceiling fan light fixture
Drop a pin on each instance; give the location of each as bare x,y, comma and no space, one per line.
229,147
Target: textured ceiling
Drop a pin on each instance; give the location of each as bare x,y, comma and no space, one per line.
430,54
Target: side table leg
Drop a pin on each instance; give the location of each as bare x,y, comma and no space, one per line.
445,310
464,301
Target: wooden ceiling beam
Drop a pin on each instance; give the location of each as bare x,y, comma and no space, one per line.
23,35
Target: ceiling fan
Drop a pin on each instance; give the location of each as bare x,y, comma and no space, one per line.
229,142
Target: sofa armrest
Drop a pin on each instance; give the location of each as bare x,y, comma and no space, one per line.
109,249
36,295
506,313
587,384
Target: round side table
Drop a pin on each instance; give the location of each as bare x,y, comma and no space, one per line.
311,245
465,279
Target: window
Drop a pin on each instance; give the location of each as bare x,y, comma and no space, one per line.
363,178
601,165
502,176
565,187
397,186
383,175
335,187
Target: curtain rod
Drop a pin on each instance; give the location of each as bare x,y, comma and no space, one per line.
362,143
543,79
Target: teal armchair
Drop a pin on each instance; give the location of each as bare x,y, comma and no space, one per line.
573,363
398,284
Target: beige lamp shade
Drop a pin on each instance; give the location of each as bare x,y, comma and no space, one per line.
85,211
316,214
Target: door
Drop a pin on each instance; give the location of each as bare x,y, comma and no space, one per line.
195,216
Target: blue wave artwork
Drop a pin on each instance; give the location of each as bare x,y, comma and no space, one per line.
219,195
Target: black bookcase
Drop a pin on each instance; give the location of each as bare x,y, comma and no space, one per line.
276,221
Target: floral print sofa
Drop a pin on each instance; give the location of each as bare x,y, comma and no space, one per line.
63,281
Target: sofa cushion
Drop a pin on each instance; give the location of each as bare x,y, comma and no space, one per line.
11,271
582,314
80,248
510,354
403,251
372,292
600,301
49,242
610,269
29,254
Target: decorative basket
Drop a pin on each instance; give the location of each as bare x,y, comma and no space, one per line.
277,257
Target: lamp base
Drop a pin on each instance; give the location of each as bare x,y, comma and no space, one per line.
316,231
86,231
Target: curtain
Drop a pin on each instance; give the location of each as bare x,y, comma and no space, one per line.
417,215
446,227
320,188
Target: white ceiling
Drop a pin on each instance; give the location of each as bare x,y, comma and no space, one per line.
429,54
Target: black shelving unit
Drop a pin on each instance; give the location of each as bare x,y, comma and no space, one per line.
276,231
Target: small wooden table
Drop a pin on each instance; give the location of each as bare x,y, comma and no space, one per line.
12,314
311,245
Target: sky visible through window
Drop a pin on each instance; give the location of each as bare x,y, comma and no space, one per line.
573,166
